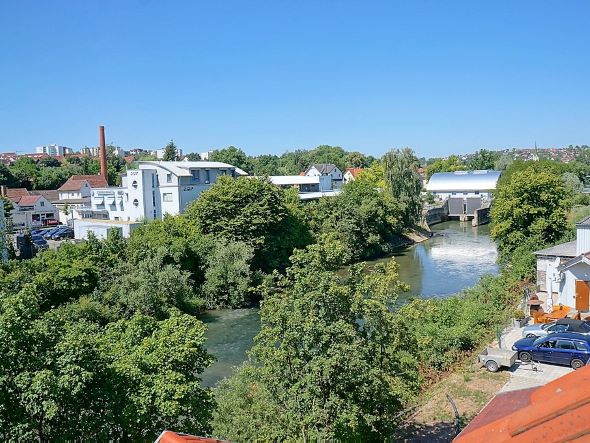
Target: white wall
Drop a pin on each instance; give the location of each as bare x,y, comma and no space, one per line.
567,288
101,229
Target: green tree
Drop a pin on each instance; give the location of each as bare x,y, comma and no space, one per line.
170,152
266,165
252,211
482,159
374,175
450,164
228,276
193,157
6,177
356,160
232,156
25,172
403,183
327,362
532,204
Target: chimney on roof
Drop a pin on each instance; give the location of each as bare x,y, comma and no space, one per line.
103,154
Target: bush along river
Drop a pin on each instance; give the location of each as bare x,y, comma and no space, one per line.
453,259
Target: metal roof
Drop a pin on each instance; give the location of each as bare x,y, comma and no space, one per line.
463,181
563,250
182,168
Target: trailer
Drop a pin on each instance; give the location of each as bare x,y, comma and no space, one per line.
493,358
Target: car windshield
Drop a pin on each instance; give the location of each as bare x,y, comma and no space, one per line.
538,341
547,325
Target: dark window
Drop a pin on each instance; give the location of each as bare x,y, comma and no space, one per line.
548,344
207,176
580,346
196,175
565,344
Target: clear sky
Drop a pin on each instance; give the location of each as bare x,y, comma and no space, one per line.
268,76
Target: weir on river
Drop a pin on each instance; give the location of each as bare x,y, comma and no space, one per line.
455,258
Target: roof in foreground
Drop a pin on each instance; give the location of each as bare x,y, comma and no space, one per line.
182,168
563,250
176,437
555,412
463,181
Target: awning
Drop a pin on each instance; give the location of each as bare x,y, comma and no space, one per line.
97,200
110,200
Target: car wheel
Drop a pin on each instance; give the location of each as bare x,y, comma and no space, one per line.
492,366
531,336
577,363
525,357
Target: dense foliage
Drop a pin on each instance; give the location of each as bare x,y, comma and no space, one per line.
328,362
532,204
404,184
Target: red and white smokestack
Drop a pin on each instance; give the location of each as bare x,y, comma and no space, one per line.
103,154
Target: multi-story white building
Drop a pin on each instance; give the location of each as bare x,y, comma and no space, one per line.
328,173
161,152
53,150
155,189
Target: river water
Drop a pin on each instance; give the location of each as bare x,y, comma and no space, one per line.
453,259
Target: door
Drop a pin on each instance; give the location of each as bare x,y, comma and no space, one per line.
582,295
544,352
564,352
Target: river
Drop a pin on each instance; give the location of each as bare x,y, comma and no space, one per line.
453,259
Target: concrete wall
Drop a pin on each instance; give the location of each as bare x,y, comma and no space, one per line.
437,214
481,216
100,228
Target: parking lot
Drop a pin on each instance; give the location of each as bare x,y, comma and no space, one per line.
527,375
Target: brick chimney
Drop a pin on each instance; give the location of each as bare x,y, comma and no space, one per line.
102,154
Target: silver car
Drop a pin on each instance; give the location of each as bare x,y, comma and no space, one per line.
562,325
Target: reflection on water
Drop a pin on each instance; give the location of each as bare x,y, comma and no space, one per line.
454,259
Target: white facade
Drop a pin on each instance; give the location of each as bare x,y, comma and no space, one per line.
32,212
53,150
101,228
156,189
325,170
74,194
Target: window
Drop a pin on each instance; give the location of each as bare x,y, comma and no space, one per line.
168,178
117,218
207,176
153,198
136,203
548,344
167,197
134,184
580,346
42,203
557,328
565,344
196,175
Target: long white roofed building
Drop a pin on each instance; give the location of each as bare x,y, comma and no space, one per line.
463,183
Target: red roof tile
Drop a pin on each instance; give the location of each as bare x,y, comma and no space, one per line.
95,181
354,171
16,192
173,437
28,200
558,411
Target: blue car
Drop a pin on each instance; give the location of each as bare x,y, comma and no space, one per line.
39,242
562,348
49,232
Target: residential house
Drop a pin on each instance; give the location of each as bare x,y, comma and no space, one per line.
563,272
330,175
308,187
74,195
30,211
351,174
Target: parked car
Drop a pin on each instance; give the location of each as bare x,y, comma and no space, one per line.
62,233
562,348
49,232
562,325
39,242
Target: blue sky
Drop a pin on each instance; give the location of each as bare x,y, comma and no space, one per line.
269,76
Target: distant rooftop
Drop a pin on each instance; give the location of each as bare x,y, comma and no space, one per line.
182,168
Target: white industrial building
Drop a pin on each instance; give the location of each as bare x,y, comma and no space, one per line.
463,183
150,192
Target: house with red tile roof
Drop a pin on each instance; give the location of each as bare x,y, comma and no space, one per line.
351,174
30,211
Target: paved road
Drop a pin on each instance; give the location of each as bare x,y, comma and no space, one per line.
523,376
